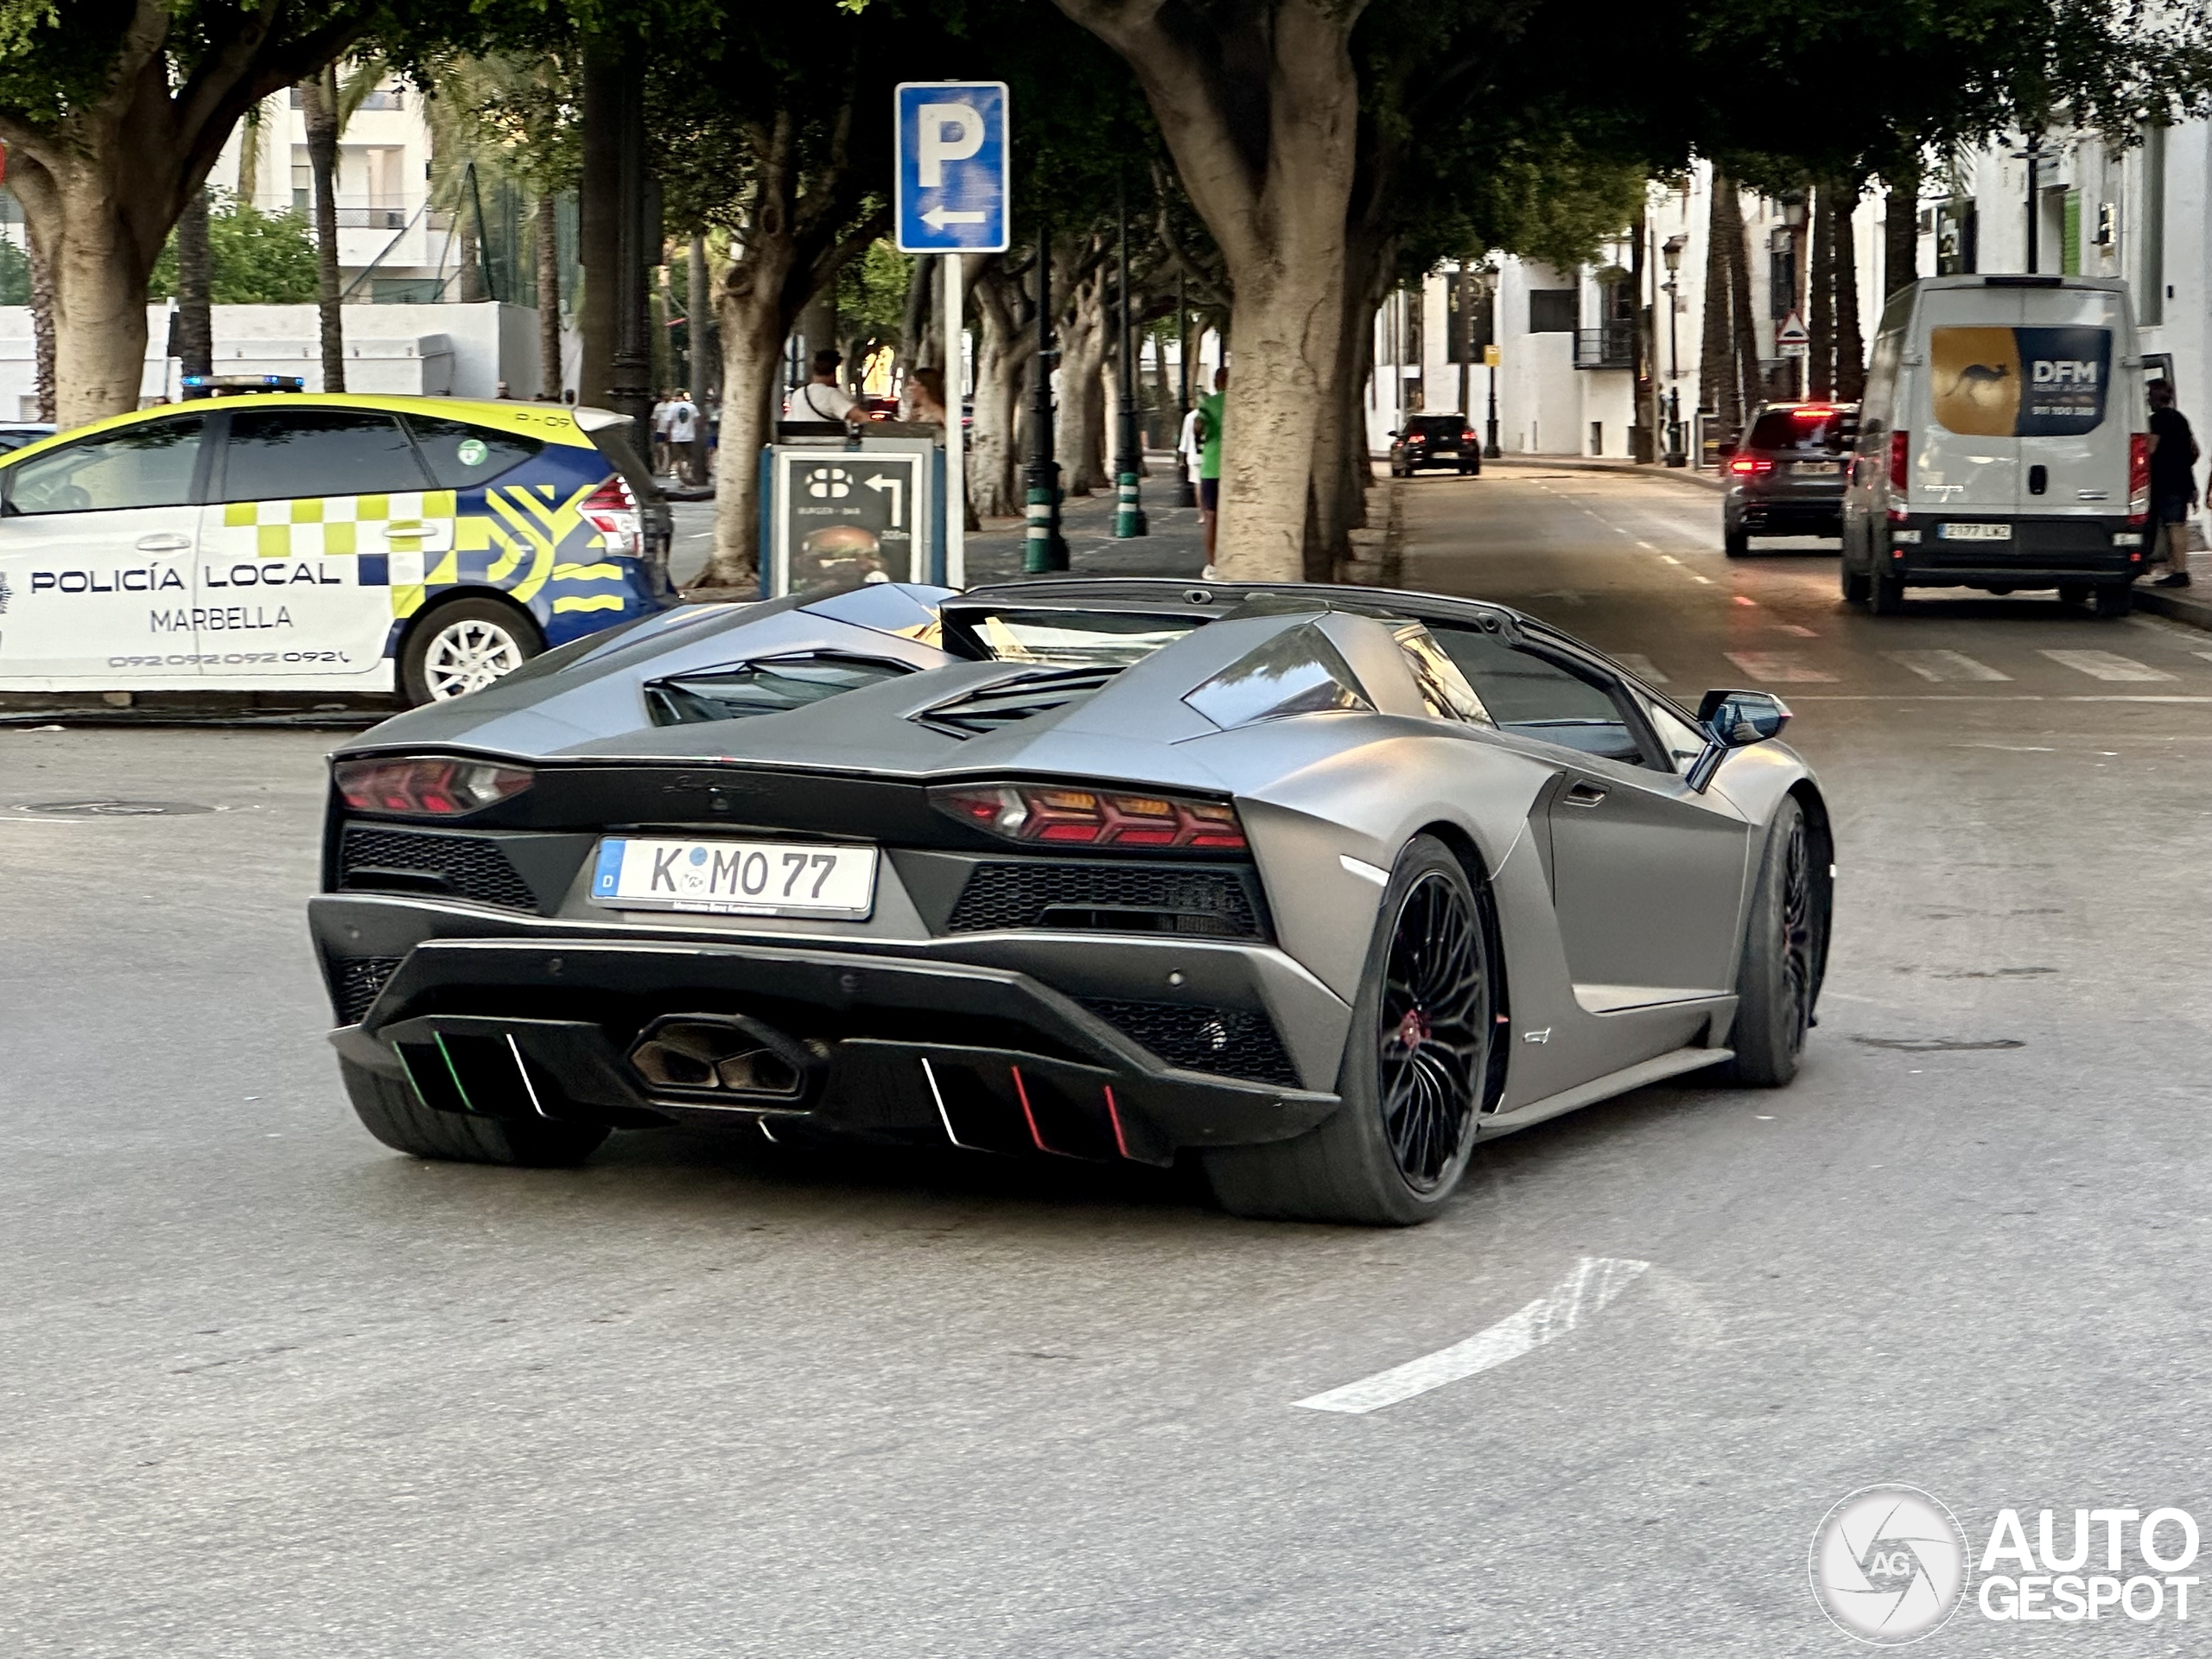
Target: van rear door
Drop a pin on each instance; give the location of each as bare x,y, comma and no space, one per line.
1968,461
2074,425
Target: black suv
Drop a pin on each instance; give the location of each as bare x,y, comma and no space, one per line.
1786,478
1446,441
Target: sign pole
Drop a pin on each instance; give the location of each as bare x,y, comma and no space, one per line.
956,439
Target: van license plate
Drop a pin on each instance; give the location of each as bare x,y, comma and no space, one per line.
734,878
1975,532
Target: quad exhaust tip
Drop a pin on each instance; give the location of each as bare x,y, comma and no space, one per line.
728,1056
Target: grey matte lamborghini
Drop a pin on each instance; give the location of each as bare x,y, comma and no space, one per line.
1321,886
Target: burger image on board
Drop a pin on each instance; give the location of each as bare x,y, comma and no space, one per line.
837,553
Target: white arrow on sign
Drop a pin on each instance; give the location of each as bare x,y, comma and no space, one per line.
937,217
898,488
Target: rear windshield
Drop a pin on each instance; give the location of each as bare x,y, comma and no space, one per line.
1806,431
1078,638
1448,427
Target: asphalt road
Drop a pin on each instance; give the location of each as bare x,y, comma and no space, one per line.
267,1389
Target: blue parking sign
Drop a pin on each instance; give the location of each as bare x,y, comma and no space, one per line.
950,184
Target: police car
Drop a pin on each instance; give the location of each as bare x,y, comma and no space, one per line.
275,541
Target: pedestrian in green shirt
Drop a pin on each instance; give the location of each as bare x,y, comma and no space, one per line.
1210,412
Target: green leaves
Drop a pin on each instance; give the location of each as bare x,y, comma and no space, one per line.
255,258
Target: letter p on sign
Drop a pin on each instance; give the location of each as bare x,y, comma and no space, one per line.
949,132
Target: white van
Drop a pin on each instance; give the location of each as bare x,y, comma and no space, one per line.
2003,444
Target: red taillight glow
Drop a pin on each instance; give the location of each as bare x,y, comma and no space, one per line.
428,786
1092,818
2138,478
613,512
1900,458
1468,436
1746,465
1813,412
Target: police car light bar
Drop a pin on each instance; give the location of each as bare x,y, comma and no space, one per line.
214,386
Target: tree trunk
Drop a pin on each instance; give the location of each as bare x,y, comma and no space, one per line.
1266,156
91,260
1078,443
548,251
318,114
1751,375
1720,387
1850,341
195,322
599,209
1003,348
1901,226
1820,324
754,324
698,331
42,328
918,332
1342,467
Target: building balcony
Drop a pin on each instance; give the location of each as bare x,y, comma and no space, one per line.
1612,346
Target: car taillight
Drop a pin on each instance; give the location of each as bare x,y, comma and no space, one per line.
1900,458
427,786
1744,466
2138,478
1065,816
1467,436
613,512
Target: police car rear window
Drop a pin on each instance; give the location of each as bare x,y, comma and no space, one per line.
462,456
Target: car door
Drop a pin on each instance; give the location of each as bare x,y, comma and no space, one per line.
97,546
318,514
1647,874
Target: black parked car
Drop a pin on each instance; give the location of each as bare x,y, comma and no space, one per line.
1786,478
1446,441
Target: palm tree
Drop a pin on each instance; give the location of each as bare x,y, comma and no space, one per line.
326,104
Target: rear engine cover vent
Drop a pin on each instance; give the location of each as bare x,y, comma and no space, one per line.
1221,1042
1004,703
430,865
1094,895
772,685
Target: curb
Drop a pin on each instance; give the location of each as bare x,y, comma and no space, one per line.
2175,605
1625,468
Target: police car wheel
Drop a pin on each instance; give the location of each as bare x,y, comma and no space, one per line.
462,646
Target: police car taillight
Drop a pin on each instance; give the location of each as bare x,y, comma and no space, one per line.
613,512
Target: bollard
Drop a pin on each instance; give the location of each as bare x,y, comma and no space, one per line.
1043,552
1128,516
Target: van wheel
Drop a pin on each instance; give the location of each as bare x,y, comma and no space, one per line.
1856,585
463,645
1886,595
2112,599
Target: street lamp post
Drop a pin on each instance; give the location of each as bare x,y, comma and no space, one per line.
1490,361
1671,251
1129,458
1045,549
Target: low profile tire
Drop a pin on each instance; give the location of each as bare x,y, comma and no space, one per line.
2112,599
1884,595
1857,585
1415,1064
1736,542
1777,978
388,1109
463,645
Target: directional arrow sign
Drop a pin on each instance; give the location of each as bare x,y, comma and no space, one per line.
898,488
950,182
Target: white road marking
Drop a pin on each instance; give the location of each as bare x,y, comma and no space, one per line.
2206,655
1796,628
1641,666
1744,600
1707,581
1778,666
2106,665
1595,1281
1669,558
1944,665
1647,547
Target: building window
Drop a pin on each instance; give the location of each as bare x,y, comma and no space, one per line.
1596,437
1781,273
1554,310
1955,238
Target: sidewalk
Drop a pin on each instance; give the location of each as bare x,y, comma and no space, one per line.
1175,546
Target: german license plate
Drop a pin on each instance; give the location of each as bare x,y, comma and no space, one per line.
734,878
1975,532
1816,468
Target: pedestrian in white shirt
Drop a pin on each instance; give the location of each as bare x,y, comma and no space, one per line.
682,435
660,434
822,398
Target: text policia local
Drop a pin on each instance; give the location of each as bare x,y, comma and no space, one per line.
2145,1560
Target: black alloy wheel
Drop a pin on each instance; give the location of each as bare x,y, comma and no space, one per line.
1416,1069
1432,1030
1785,950
1798,933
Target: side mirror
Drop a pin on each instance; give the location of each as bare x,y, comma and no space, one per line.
1733,720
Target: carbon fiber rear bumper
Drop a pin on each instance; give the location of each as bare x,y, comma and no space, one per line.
541,1022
